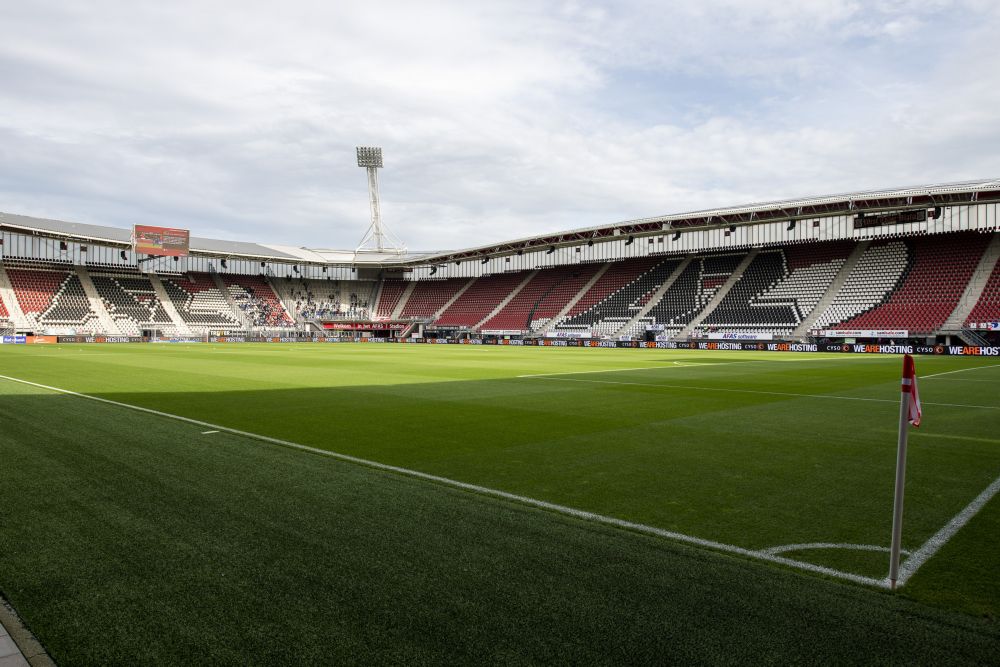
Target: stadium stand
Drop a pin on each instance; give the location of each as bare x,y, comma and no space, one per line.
738,308
259,303
682,300
779,288
569,281
877,273
987,308
479,300
606,304
199,302
430,296
392,292
132,303
693,290
926,292
327,299
53,299
521,313
923,284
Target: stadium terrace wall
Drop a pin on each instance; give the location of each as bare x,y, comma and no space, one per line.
20,245
980,217
738,346
16,246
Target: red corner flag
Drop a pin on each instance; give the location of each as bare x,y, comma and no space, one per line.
909,411
910,387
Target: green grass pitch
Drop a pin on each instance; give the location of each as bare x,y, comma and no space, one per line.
130,538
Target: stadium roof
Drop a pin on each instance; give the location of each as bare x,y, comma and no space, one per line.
966,192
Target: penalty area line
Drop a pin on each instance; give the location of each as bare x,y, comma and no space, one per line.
555,508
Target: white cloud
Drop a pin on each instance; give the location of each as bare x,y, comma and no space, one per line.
239,119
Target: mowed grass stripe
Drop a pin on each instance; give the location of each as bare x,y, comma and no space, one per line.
134,539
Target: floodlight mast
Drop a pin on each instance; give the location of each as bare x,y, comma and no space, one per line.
377,238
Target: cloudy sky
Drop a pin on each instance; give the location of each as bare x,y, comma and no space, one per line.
497,120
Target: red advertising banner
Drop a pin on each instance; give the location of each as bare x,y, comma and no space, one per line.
364,326
161,241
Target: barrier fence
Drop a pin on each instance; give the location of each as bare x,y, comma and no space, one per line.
844,348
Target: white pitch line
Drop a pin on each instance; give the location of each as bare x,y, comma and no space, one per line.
678,364
496,493
757,391
606,370
960,370
827,545
207,432
940,538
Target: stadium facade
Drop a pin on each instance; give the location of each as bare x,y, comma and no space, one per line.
906,264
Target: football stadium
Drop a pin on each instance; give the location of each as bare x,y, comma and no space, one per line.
665,440
509,333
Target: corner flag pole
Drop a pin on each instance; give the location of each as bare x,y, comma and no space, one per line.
909,413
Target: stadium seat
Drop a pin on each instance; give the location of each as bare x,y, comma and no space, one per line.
479,300
618,295
327,299
199,302
429,296
987,308
53,299
542,298
779,288
132,303
392,292
260,305
913,284
692,290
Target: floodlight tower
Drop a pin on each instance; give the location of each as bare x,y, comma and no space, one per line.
377,238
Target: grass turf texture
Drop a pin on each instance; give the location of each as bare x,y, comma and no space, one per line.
130,537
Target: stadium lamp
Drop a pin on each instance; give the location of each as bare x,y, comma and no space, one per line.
485,260
263,264
434,270
630,240
369,156
551,250
295,269
377,238
520,252
677,236
458,262
324,269
590,243
732,228
123,255
791,225
224,265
